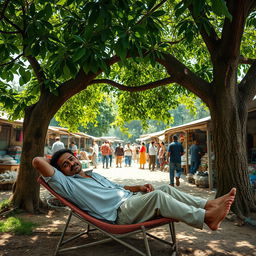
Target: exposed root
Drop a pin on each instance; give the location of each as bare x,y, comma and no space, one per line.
7,212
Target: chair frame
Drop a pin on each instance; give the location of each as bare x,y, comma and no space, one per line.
112,231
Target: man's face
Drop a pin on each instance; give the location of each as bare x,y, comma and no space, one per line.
69,164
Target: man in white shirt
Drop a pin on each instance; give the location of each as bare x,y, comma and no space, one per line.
95,153
57,145
152,151
128,155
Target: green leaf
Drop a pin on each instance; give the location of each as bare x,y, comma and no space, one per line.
25,75
139,28
69,2
41,14
35,49
32,9
104,67
219,7
207,27
78,39
79,54
61,2
66,71
121,51
158,13
21,81
180,9
183,27
151,3
125,42
48,11
72,68
198,6
93,16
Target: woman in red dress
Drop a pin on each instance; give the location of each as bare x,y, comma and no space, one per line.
143,156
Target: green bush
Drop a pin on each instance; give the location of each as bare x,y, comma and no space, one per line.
4,204
17,226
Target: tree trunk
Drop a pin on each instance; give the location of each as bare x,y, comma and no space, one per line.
26,188
35,126
229,118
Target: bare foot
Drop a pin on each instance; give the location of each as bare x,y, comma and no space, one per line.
216,214
215,202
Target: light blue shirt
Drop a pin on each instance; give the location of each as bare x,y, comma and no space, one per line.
98,196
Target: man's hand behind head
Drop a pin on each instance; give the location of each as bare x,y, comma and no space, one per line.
43,166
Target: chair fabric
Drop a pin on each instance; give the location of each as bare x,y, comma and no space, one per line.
113,231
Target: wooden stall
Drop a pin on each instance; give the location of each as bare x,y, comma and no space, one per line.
199,130
11,138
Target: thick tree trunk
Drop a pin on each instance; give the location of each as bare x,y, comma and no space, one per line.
229,118
26,189
35,126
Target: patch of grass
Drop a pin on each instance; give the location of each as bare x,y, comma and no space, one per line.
5,204
17,226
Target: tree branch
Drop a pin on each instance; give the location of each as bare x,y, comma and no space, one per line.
248,84
140,88
244,60
211,40
186,78
37,69
233,30
14,25
252,6
9,32
13,60
151,11
173,42
81,81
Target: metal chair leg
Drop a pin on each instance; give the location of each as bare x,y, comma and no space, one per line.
63,234
145,238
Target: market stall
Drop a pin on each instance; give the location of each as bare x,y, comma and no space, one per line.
199,130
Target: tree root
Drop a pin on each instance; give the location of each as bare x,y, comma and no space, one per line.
7,212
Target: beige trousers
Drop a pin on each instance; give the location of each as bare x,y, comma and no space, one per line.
164,201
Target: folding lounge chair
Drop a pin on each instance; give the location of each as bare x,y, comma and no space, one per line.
112,231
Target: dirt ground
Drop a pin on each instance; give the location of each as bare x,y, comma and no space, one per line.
230,239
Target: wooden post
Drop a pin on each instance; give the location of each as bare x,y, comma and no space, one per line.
68,141
209,161
187,163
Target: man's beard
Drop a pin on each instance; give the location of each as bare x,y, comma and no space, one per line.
74,168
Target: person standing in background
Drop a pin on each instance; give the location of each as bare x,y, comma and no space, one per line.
162,155
157,153
137,154
196,153
134,153
127,155
95,153
119,153
73,148
152,151
111,154
175,151
57,145
143,155
105,152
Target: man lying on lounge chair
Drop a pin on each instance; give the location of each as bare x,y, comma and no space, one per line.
106,200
